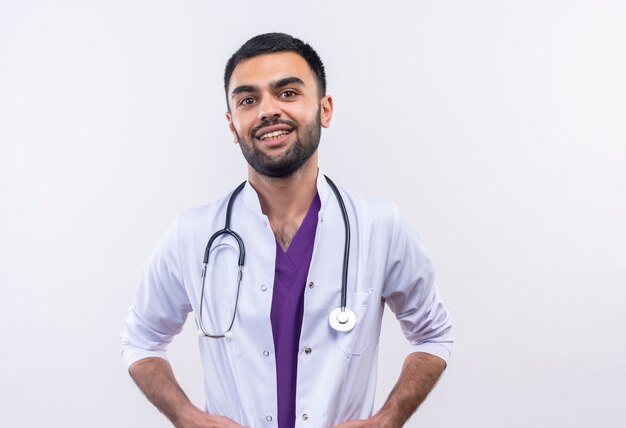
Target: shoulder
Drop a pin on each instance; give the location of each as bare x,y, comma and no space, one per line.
203,216
378,211
381,219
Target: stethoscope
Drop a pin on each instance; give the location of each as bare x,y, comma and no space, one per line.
340,319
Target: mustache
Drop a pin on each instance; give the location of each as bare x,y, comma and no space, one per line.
272,122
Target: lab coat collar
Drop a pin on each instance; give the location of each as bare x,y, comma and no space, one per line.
251,197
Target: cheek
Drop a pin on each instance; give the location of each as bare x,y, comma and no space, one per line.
242,124
304,114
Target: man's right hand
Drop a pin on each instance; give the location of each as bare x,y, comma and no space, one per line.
155,378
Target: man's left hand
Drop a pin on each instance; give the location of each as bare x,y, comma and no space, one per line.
373,422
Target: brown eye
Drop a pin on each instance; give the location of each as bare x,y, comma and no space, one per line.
246,101
288,94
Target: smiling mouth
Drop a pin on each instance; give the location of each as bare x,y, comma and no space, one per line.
274,131
273,136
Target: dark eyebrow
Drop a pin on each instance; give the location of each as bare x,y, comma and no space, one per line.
244,88
287,81
275,85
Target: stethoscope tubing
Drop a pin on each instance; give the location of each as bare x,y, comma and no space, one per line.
228,231
242,253
242,256
346,247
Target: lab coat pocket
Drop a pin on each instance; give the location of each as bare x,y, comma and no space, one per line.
355,341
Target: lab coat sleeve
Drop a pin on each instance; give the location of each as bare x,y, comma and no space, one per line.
411,293
161,305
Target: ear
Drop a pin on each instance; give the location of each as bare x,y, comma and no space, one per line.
231,127
326,111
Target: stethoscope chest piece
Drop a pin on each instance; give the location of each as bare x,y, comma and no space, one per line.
342,319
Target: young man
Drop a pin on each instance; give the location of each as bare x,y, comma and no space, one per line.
290,337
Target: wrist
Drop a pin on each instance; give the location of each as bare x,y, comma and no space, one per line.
386,418
187,415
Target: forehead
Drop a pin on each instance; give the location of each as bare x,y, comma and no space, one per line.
262,70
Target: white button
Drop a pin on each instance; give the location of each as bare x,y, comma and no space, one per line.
268,418
263,287
266,353
265,223
305,417
311,284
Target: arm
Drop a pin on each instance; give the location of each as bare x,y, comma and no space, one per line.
411,294
154,376
418,377
158,314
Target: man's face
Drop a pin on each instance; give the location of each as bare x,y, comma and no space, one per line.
276,113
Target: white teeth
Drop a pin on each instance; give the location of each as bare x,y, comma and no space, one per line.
273,134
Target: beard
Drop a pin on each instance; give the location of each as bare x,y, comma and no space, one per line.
285,164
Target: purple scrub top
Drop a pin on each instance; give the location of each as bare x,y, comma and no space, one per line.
292,268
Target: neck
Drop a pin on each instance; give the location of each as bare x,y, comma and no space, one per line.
288,197
285,201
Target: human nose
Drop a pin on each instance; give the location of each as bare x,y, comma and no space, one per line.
268,110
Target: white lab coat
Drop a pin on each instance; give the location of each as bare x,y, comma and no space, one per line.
337,376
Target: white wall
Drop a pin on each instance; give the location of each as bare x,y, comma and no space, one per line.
499,128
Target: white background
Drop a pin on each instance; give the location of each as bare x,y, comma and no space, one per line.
498,127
